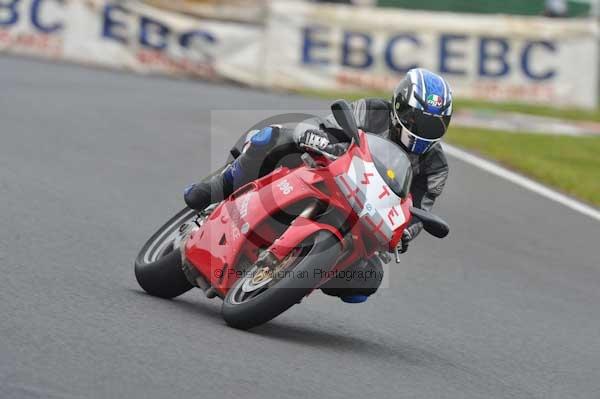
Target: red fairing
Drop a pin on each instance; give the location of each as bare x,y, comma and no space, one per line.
240,225
373,217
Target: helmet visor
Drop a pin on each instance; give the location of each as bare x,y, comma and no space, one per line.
423,124
414,143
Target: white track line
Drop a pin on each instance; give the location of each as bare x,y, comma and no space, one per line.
521,181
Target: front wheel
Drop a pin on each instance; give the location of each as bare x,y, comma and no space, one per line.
261,294
158,266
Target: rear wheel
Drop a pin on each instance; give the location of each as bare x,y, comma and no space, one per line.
158,266
264,293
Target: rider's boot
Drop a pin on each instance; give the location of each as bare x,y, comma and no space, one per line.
200,195
369,275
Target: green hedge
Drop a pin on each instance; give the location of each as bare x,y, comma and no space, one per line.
519,7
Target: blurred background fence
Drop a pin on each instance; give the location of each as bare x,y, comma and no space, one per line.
315,46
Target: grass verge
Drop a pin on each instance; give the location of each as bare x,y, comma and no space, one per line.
574,114
570,164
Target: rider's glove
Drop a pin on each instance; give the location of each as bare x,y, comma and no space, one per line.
315,139
403,245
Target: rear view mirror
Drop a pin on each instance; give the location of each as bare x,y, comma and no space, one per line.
342,112
432,224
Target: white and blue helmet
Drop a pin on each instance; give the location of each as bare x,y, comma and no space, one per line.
421,110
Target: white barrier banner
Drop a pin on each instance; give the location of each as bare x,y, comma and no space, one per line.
321,47
130,35
328,47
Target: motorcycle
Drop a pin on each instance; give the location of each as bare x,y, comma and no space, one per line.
277,239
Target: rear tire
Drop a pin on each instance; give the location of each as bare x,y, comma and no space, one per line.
321,251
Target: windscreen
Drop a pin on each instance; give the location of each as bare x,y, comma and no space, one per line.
392,163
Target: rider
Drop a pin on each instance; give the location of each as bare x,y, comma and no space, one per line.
416,118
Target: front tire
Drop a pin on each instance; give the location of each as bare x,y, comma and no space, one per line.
320,250
158,266
163,278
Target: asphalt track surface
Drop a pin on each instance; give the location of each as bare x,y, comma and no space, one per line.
91,162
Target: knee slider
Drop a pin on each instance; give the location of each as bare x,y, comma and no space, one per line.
265,136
